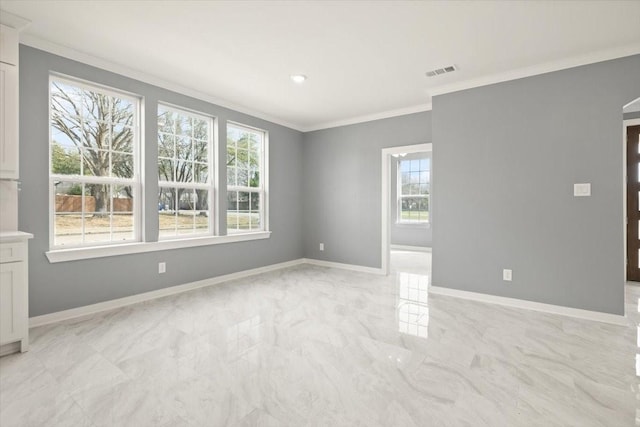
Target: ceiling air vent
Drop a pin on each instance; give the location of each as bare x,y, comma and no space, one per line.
440,71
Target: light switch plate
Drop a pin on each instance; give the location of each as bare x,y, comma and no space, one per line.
582,190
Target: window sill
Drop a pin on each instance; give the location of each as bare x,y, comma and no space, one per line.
62,255
413,224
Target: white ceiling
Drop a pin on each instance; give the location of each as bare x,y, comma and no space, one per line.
363,59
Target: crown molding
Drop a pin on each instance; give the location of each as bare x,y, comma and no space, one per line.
85,58
73,54
547,67
13,21
370,117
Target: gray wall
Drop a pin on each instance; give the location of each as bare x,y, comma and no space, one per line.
342,186
406,234
60,286
506,157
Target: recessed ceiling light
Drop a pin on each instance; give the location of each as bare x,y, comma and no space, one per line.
298,78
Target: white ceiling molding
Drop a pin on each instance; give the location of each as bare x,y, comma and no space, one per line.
370,117
576,61
94,61
13,21
123,70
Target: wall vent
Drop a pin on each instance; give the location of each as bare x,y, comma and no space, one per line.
440,71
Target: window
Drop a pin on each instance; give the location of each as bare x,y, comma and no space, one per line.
414,187
246,179
185,167
94,179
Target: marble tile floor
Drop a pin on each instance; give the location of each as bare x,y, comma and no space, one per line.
312,346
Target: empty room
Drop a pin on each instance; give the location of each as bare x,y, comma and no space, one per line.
311,213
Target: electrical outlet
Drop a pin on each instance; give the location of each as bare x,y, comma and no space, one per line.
162,267
322,246
507,275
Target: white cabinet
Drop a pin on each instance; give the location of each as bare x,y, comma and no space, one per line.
14,289
8,45
8,121
8,103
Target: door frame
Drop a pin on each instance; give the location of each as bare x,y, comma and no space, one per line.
625,124
386,195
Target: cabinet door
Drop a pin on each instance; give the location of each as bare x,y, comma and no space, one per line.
8,121
13,302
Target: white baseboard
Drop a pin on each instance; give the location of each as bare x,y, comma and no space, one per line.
597,316
72,313
351,267
410,248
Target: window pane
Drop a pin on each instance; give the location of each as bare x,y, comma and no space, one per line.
200,151
244,172
242,177
166,171
97,214
186,211
184,171
200,129
414,178
93,134
183,148
231,176
254,211
95,162
68,214
254,178
201,173
166,146
243,211
122,219
406,177
184,144
122,165
65,159
414,209
232,210
167,214
121,138
242,157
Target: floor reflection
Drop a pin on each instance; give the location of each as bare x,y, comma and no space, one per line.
412,270
243,341
413,311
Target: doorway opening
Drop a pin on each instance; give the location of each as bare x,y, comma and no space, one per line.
406,197
631,135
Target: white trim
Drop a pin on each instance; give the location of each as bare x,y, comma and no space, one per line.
370,117
352,267
136,181
14,21
263,189
410,248
73,254
386,195
548,67
625,124
212,165
597,316
72,313
67,52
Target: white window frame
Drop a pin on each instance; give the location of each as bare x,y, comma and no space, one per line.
135,182
400,196
263,190
210,186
